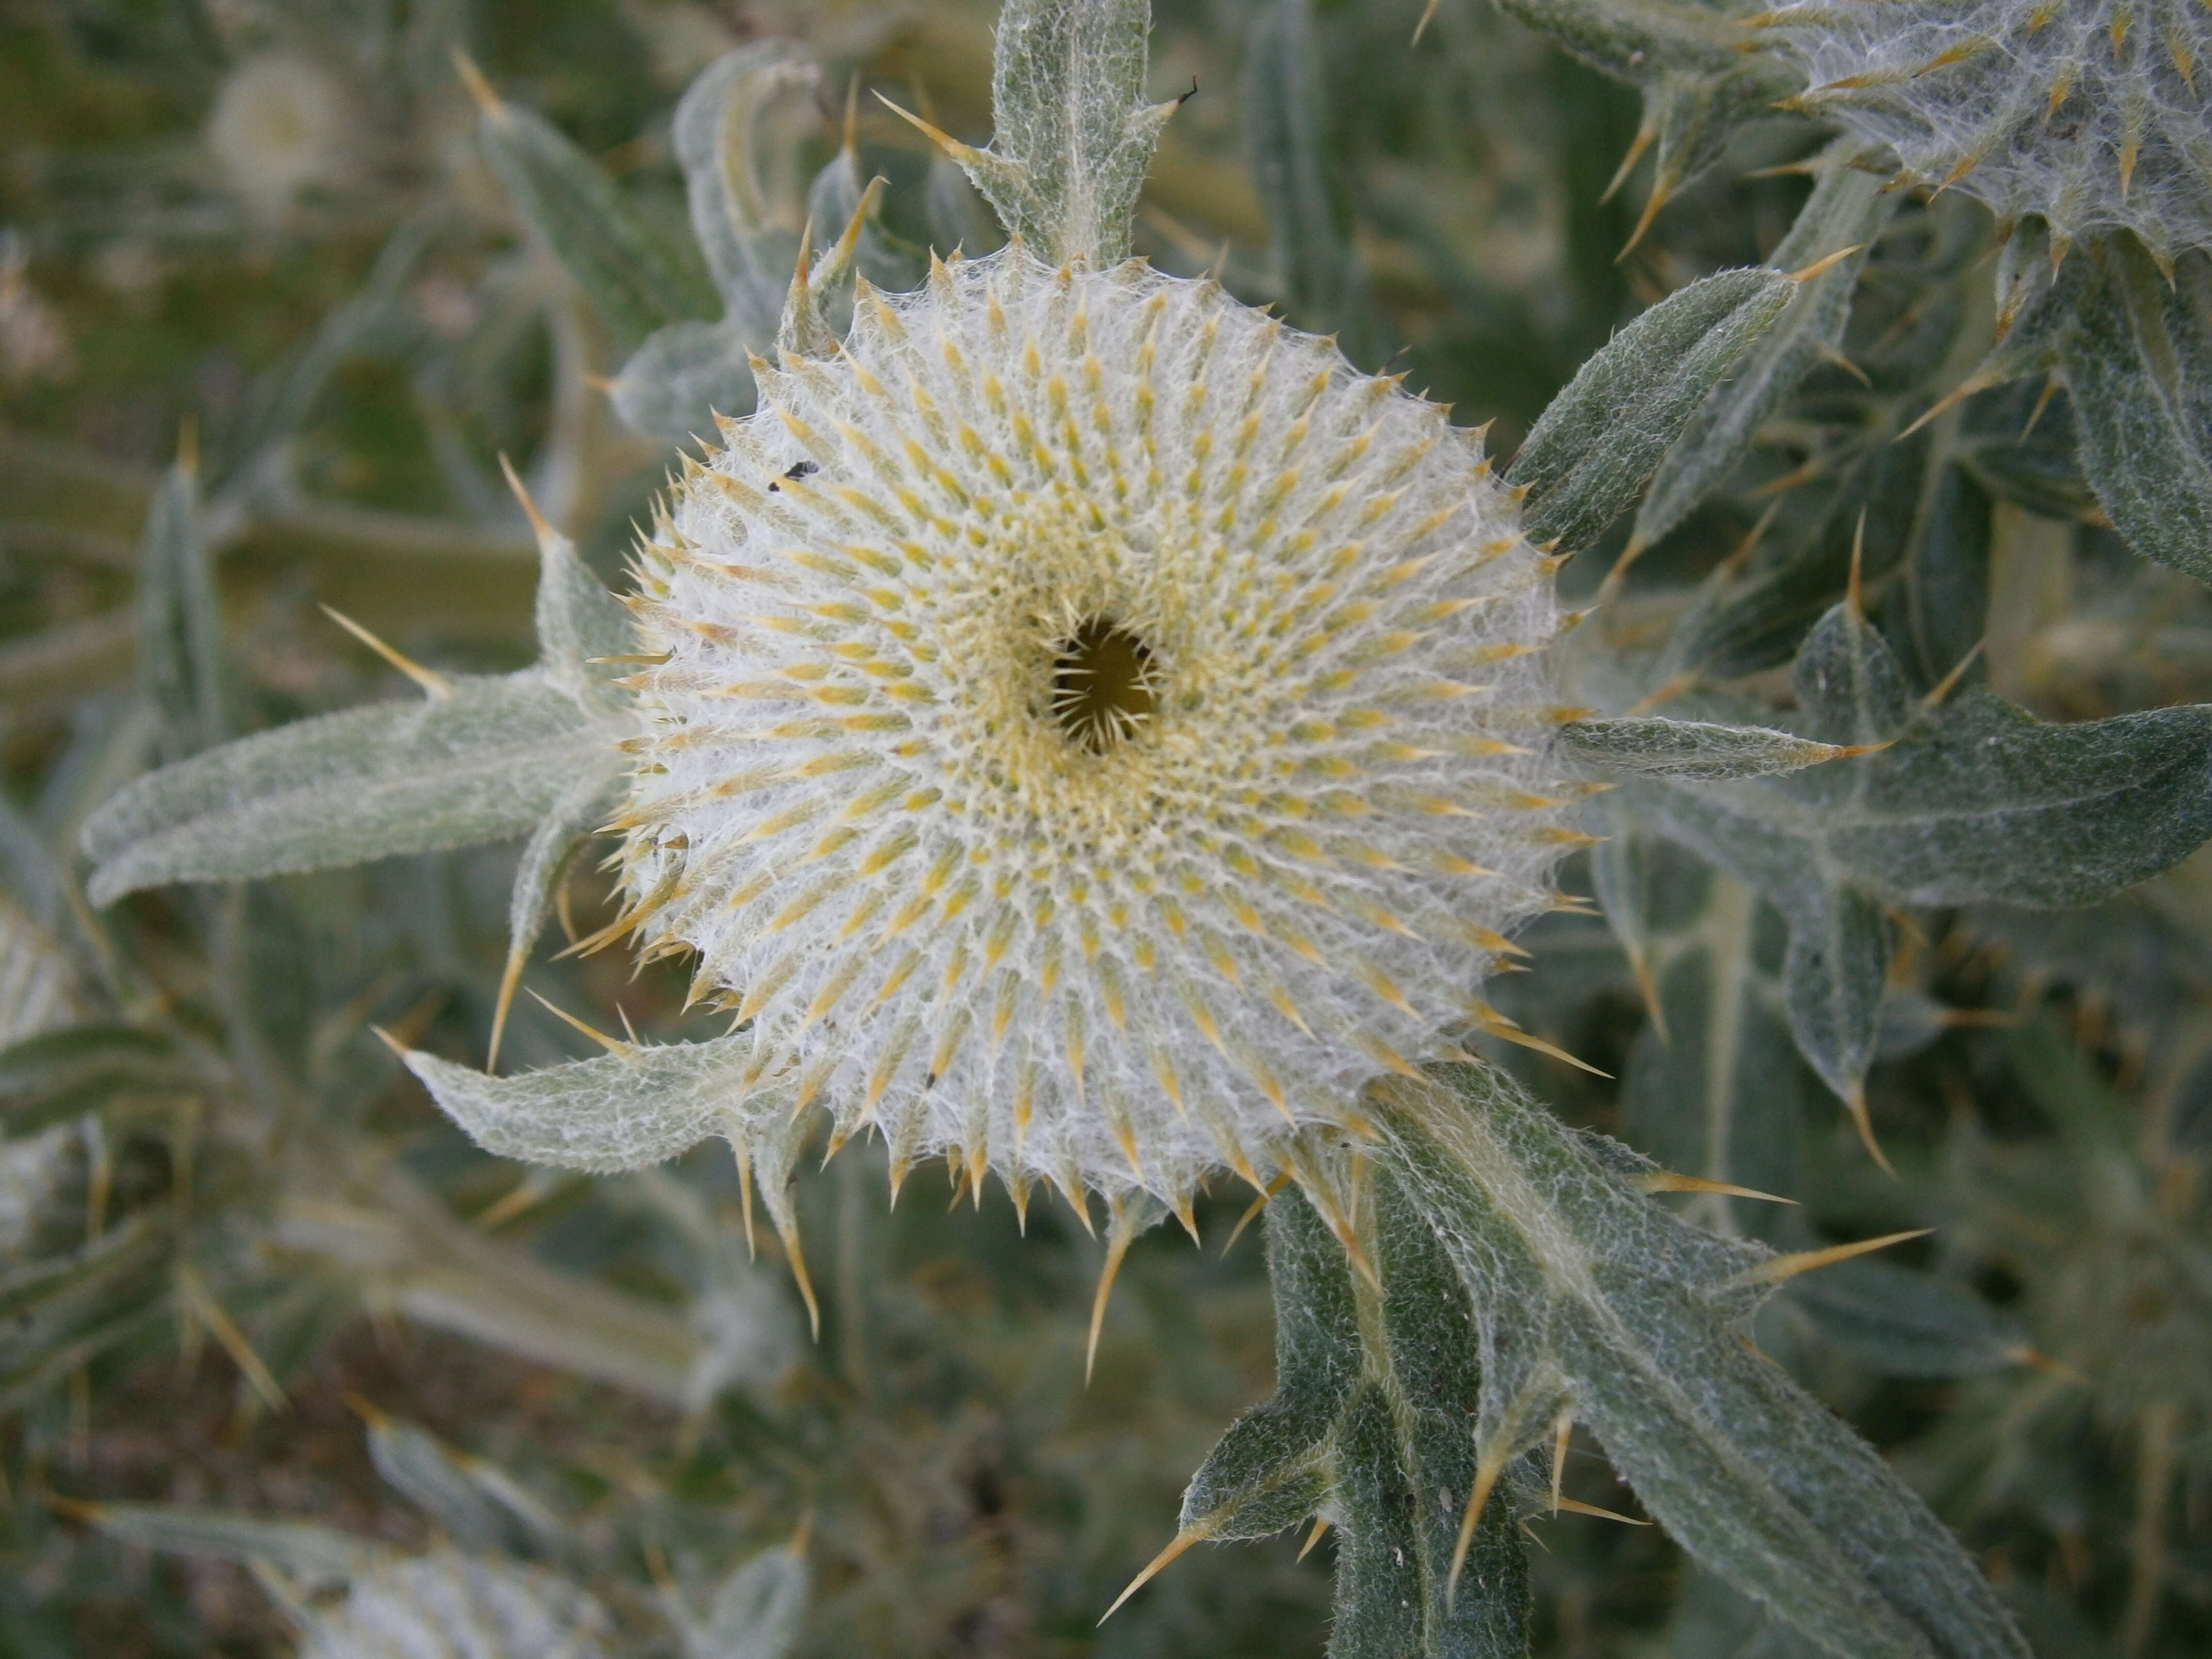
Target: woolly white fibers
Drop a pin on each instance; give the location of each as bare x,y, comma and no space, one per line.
1093,728
2093,113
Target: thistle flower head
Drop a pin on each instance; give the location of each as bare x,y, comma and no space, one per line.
2093,113
280,124
1090,728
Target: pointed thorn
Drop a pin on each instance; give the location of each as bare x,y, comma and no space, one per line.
2035,1360
1428,16
1320,1526
1562,1433
479,88
511,976
518,1198
1640,968
435,686
1666,1181
1980,380
1660,193
1949,683
1522,1039
964,154
538,527
744,1155
1575,1506
1488,1468
2050,390
1854,587
1856,1105
1805,274
369,1413
1117,1247
1636,146
612,1045
390,1041
1777,1268
1182,1541
1281,1180
798,1259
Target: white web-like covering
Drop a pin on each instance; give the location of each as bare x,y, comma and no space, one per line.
1112,963
2093,113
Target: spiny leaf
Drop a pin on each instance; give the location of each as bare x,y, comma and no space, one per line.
1602,437
1072,137
756,1610
1700,750
1905,1324
475,1504
56,1075
1271,1469
343,789
2138,362
181,672
1846,209
637,279
313,1556
1585,1290
621,1111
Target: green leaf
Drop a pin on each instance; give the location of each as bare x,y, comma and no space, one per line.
1604,435
56,1075
1656,747
1428,1373
1270,1470
1297,166
622,1111
1938,614
1906,1323
580,624
1721,1094
1368,1425
1072,137
137,1247
729,143
756,1610
315,1557
570,821
181,673
477,1504
1848,208
1831,982
1588,1294
484,765
685,375
2138,362
636,277
1976,800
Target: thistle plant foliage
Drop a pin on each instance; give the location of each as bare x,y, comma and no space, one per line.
1074,728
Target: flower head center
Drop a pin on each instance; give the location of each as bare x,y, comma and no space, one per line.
1102,684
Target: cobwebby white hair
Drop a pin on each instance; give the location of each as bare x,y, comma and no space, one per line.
1091,729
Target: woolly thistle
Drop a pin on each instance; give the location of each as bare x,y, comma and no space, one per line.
2093,113
1091,772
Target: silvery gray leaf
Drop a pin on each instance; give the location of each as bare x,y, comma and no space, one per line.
483,765
620,1111
1603,436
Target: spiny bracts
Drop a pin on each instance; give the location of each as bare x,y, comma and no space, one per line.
2095,114
1090,728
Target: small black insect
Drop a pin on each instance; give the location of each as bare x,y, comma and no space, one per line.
796,470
